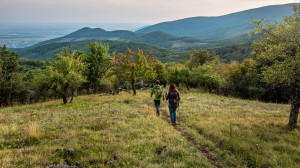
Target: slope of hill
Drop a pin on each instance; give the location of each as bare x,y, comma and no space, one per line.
123,131
89,33
162,39
49,51
237,52
221,27
154,38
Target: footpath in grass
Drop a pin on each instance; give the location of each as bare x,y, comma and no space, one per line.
93,131
241,133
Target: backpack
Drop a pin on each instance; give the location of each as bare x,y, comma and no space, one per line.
173,98
158,92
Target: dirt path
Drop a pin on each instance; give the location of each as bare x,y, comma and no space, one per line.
201,148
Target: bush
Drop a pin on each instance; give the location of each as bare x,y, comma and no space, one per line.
256,92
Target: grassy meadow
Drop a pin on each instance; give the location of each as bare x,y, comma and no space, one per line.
239,133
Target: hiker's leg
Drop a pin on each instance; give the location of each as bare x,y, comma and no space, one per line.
171,113
175,116
158,106
156,102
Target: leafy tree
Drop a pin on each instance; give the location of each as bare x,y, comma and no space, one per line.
133,66
65,74
278,57
203,77
200,57
173,76
9,76
161,72
185,77
98,63
242,80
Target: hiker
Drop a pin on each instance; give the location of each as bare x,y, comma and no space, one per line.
174,98
157,93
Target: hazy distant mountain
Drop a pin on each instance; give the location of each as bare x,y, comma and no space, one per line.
49,51
154,38
89,33
221,27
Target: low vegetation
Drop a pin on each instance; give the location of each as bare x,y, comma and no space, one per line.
98,127
238,132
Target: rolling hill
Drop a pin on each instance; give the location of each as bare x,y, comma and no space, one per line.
221,27
157,38
49,51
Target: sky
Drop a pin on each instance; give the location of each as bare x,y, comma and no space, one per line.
121,11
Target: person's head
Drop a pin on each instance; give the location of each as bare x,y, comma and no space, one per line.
157,82
172,86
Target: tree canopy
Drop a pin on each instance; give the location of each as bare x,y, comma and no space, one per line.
278,56
133,66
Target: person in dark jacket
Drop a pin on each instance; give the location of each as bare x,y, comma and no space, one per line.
174,97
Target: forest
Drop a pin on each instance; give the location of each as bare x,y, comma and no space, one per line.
271,75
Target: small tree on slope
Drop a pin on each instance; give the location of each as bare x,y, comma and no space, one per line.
278,57
133,66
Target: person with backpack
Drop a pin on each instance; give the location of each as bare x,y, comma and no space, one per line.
157,93
174,97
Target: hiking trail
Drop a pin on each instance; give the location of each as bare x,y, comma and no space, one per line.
200,147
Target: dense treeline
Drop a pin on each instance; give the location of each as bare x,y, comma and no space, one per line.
272,75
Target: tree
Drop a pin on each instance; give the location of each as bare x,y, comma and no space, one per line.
98,63
185,77
133,66
173,76
65,74
200,57
161,72
278,57
9,76
203,77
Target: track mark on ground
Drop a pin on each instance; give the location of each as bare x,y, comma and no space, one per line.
201,148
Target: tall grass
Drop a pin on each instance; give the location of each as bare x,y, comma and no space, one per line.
98,127
242,132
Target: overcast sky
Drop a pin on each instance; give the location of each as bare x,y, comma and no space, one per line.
124,11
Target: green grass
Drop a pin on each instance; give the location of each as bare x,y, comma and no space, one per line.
98,127
241,133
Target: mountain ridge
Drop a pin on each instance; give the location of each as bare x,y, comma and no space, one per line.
200,26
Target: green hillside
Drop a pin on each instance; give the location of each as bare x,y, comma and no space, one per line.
89,33
162,39
123,131
49,51
231,53
230,50
153,38
221,27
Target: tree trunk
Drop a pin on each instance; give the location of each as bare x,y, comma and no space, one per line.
294,112
73,93
65,99
96,90
132,84
187,86
142,83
